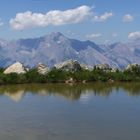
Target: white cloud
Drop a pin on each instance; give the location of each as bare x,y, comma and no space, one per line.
56,17
103,17
107,42
114,35
1,23
93,36
134,35
69,32
29,19
128,18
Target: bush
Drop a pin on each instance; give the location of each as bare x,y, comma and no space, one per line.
32,76
57,75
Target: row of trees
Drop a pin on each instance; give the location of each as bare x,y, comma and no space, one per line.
32,76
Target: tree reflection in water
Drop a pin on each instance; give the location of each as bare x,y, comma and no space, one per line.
71,92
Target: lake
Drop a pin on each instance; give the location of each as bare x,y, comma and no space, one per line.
98,111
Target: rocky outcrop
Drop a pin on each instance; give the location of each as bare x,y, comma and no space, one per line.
106,68
102,66
42,69
17,67
70,80
131,67
113,70
69,65
86,67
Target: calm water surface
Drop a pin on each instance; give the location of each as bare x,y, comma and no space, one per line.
70,112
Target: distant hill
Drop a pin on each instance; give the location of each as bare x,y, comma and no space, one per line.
55,47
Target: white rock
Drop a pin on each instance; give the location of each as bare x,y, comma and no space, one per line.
131,66
16,68
105,68
102,66
86,67
114,69
69,65
42,69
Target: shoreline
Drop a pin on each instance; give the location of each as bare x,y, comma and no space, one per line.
74,83
68,72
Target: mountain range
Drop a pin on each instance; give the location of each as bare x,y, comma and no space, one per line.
55,47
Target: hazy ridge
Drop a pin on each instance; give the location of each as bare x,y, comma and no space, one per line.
55,47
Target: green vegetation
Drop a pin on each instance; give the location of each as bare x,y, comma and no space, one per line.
60,76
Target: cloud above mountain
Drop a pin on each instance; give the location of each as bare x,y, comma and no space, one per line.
103,17
29,19
1,23
128,18
134,35
93,36
55,17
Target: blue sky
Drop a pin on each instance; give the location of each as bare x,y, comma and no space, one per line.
100,20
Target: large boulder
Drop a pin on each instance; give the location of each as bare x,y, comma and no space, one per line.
69,65
114,69
105,68
42,69
17,67
102,66
133,66
86,67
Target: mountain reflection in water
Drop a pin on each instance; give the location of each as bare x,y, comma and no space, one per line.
70,92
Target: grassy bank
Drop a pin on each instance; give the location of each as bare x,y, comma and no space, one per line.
59,76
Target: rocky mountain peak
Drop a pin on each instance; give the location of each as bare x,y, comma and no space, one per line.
55,48
55,36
